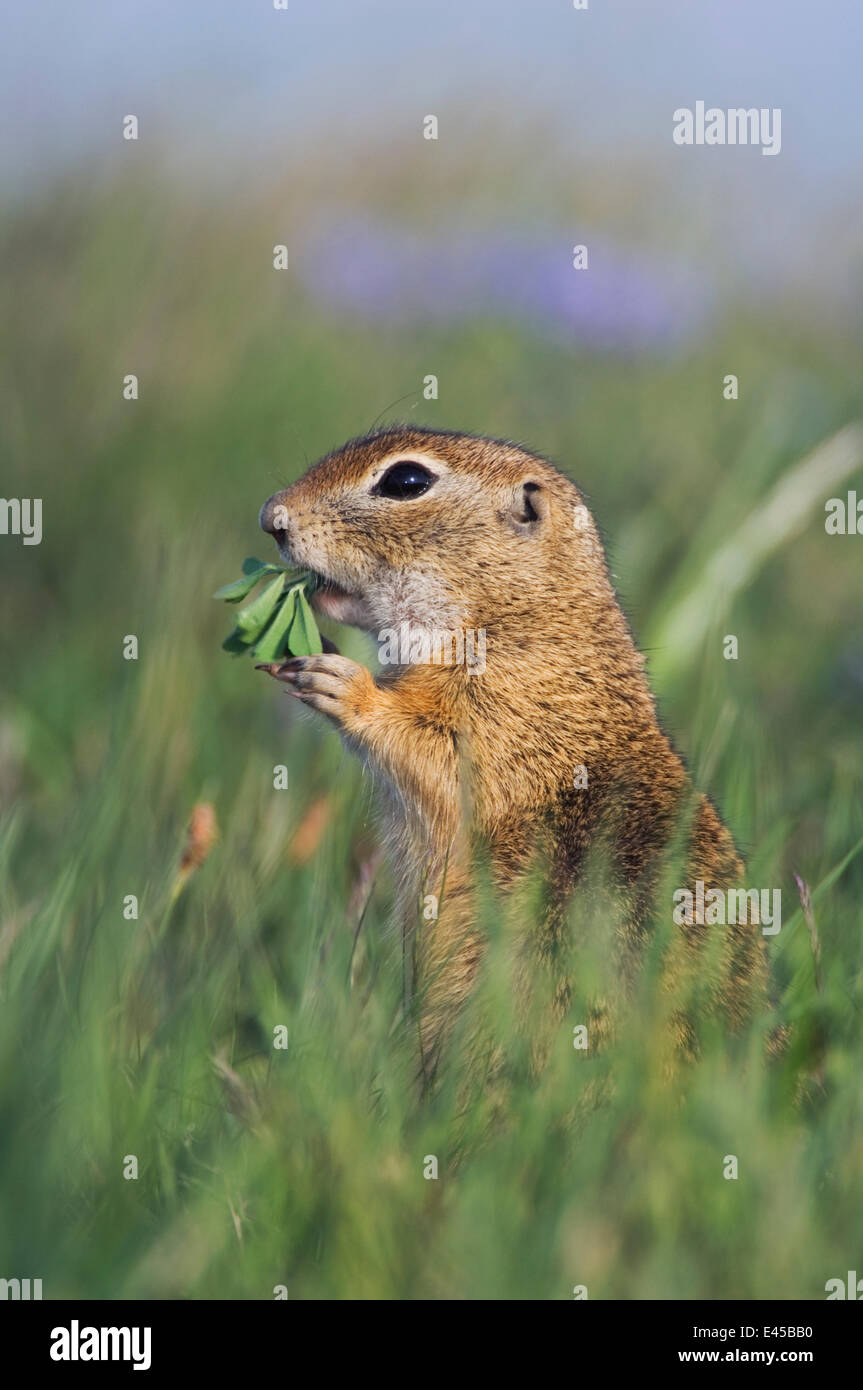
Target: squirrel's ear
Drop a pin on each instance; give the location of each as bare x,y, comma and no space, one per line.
529,508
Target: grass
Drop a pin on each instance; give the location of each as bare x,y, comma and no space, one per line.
153,1036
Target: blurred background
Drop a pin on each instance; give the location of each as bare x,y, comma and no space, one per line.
408,258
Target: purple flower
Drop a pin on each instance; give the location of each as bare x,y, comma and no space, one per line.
623,302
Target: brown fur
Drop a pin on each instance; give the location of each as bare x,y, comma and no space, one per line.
502,542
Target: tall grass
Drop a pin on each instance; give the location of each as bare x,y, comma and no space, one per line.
153,1036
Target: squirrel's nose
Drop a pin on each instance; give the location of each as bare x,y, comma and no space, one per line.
272,516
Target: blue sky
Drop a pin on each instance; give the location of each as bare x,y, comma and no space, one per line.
226,75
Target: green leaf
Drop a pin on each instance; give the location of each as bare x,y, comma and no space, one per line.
235,643
232,593
254,618
279,620
273,642
304,638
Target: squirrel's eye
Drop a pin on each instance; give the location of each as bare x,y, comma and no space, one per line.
404,480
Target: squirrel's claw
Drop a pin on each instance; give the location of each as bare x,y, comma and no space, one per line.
332,684
272,668
276,669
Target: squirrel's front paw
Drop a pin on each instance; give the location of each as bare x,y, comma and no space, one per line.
338,687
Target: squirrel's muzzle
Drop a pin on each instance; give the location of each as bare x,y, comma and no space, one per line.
273,516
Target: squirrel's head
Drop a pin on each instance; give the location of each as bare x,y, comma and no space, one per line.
437,529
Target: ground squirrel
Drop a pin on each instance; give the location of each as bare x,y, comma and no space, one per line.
534,735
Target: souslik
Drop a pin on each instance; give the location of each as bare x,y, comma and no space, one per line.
446,531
